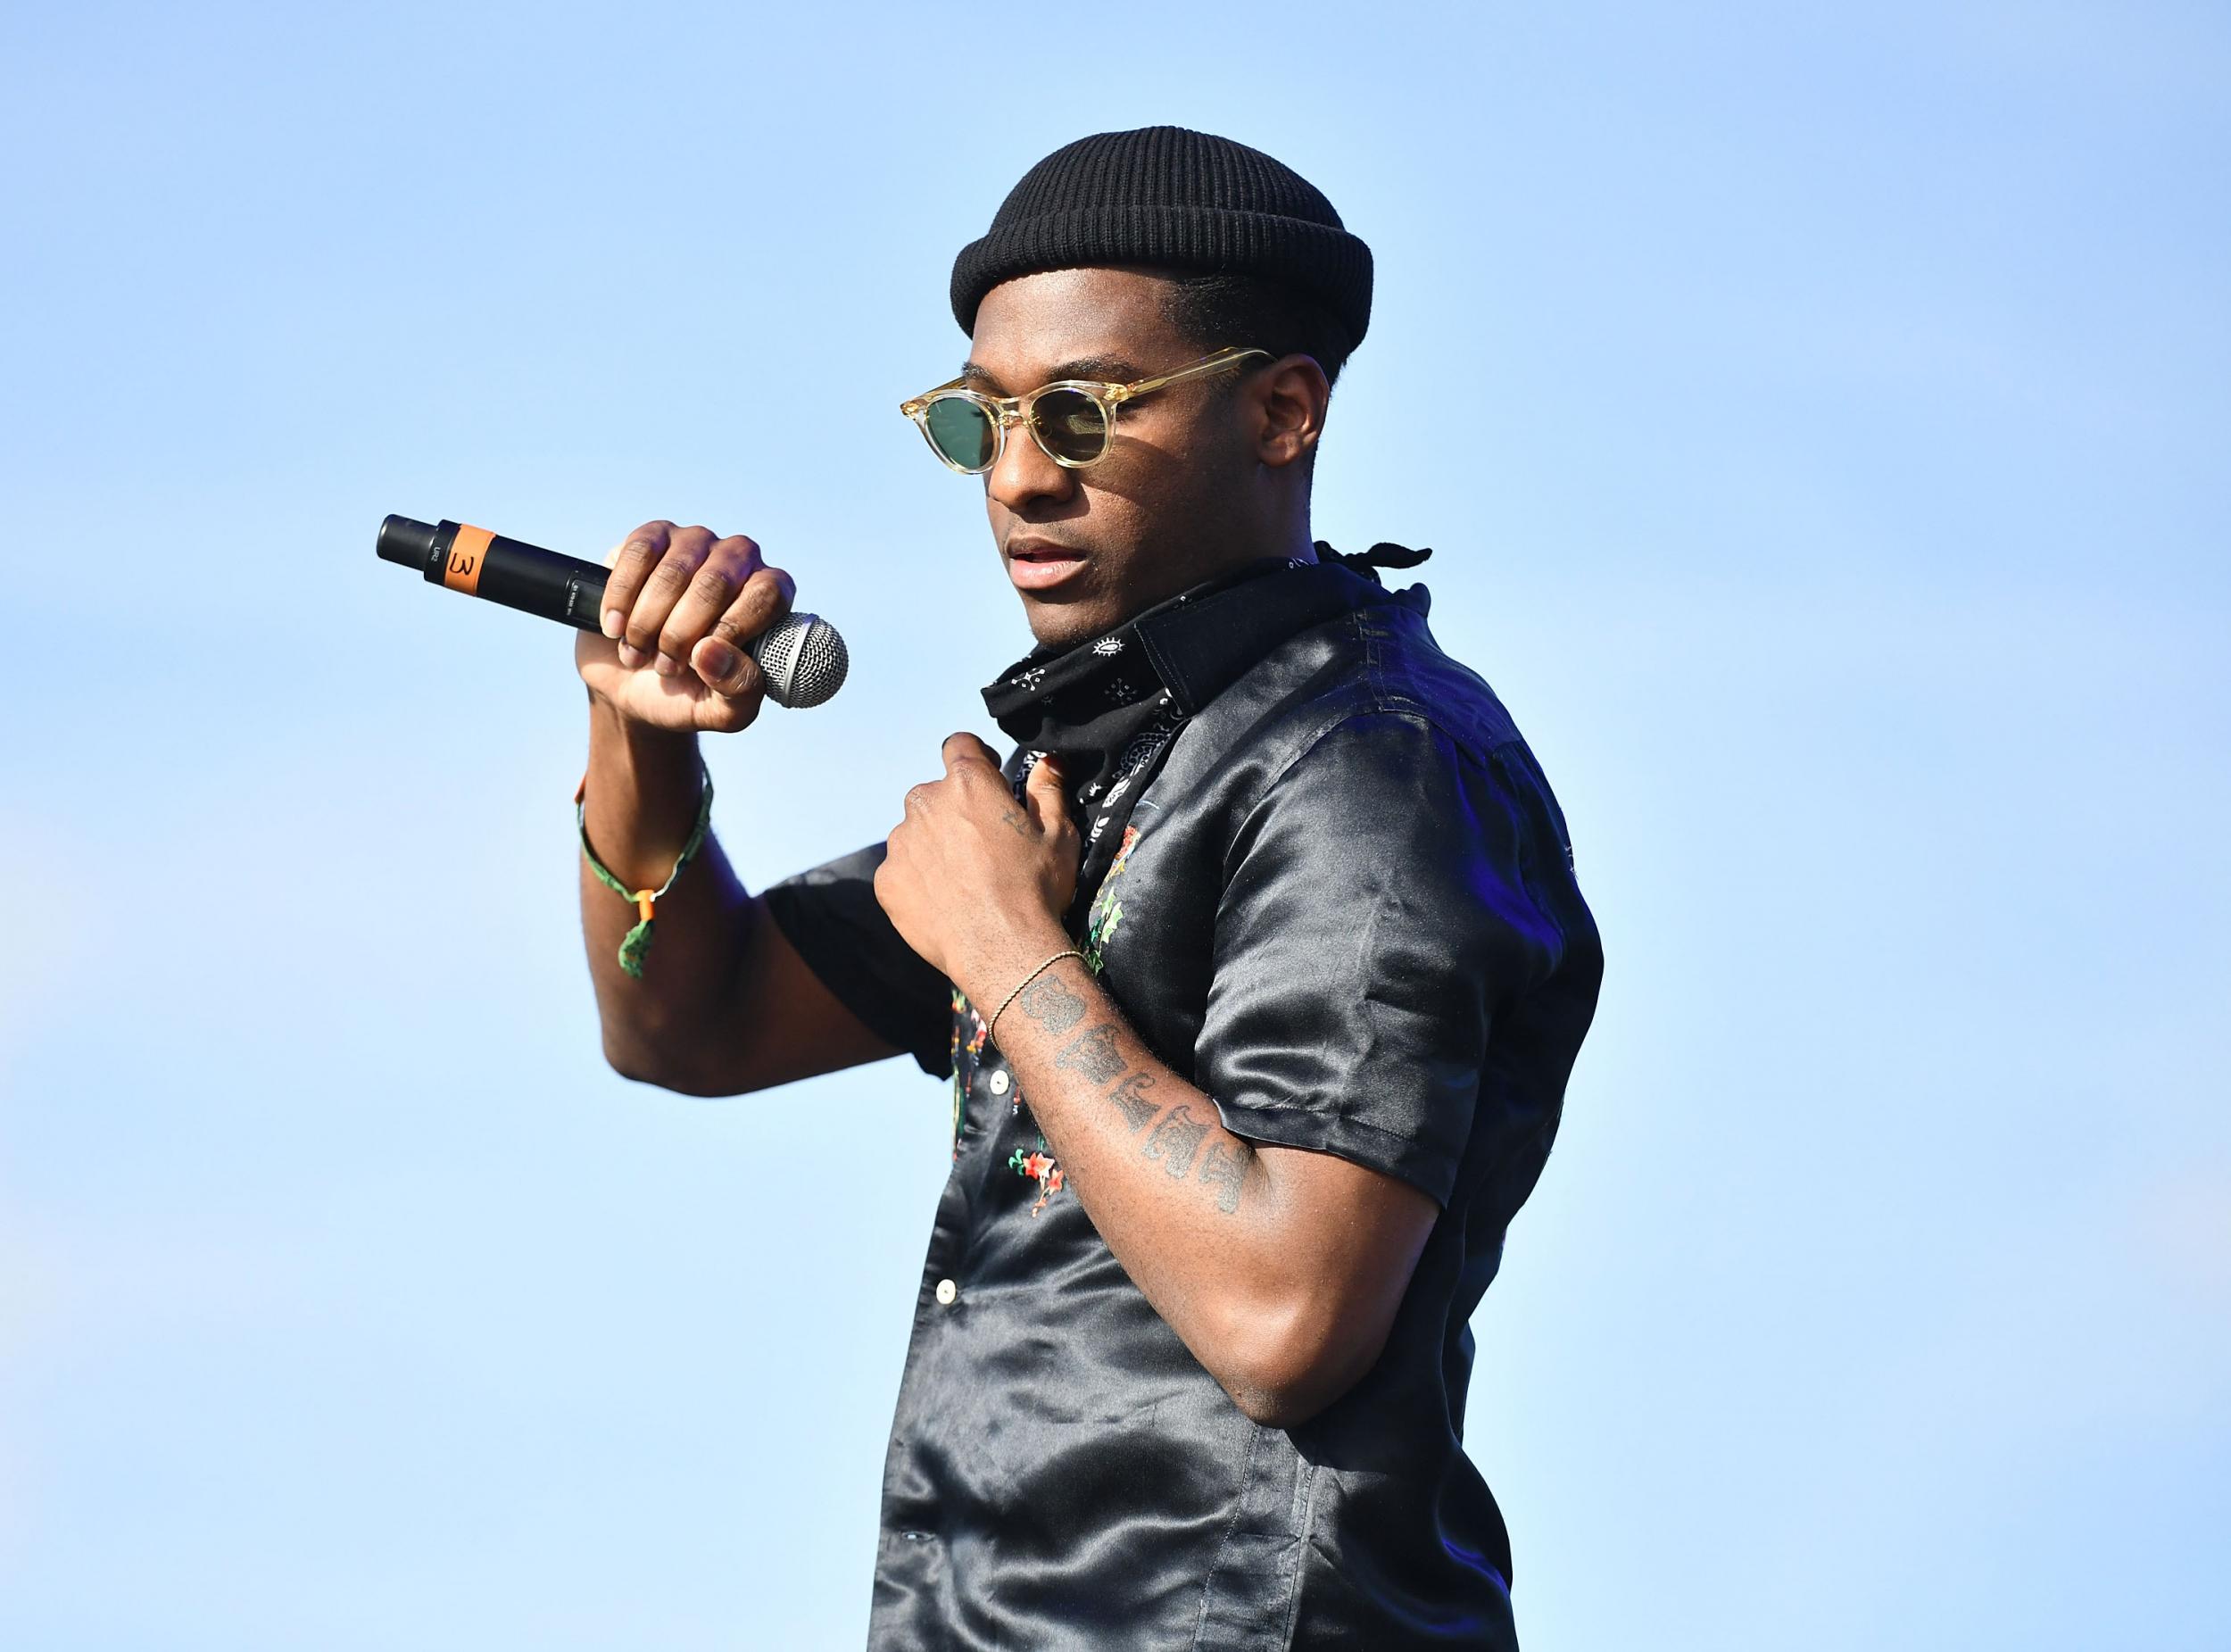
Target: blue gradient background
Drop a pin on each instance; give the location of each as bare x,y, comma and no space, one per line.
1819,415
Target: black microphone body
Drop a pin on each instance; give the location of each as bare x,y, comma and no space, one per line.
503,570
801,656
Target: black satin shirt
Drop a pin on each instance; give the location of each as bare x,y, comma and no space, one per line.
1345,909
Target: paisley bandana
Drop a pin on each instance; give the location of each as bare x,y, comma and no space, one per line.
1110,707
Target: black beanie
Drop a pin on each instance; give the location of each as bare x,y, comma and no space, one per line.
1184,200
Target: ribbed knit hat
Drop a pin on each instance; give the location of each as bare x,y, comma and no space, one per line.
1162,195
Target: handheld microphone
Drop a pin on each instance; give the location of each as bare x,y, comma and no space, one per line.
801,656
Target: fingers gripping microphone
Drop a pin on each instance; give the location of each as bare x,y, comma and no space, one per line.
801,656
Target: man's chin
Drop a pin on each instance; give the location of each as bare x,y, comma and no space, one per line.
1063,619
1073,610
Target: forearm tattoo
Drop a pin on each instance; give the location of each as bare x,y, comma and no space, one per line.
1092,1054
1225,1171
1176,1139
1051,1004
1130,1100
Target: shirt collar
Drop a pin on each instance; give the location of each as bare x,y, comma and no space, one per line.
1204,639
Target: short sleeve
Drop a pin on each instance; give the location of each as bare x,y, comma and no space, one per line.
1375,920
830,915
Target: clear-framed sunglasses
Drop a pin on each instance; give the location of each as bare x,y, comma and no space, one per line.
1073,420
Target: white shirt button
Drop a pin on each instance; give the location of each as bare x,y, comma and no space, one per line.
946,1291
1000,1082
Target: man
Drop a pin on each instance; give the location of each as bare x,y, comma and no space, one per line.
1258,968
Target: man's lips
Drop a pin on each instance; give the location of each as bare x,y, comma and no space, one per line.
1033,564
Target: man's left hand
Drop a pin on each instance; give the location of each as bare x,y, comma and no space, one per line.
973,875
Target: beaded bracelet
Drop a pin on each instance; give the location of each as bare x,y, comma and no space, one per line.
637,941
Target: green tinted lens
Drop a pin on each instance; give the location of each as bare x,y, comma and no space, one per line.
1071,424
961,431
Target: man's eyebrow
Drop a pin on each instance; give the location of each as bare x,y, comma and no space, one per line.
1103,368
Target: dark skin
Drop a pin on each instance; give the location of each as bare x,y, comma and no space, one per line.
1280,1268
1203,476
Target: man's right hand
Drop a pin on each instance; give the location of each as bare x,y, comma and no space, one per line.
687,604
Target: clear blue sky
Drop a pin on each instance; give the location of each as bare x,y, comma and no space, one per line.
1819,416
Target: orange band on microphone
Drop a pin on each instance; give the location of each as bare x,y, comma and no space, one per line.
468,555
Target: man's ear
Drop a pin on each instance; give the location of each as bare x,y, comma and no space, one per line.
1291,394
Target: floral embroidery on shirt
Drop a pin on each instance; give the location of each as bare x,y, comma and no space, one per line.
979,1032
1108,911
1041,1168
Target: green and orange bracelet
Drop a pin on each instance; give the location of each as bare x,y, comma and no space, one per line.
636,942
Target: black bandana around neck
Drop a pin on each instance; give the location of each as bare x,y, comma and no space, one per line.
1110,707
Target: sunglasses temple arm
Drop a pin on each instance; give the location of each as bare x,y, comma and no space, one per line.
1222,358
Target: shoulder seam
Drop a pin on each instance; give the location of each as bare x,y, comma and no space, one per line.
1403,708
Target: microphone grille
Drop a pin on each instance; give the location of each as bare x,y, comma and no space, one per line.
804,659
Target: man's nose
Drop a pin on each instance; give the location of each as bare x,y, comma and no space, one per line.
1024,470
